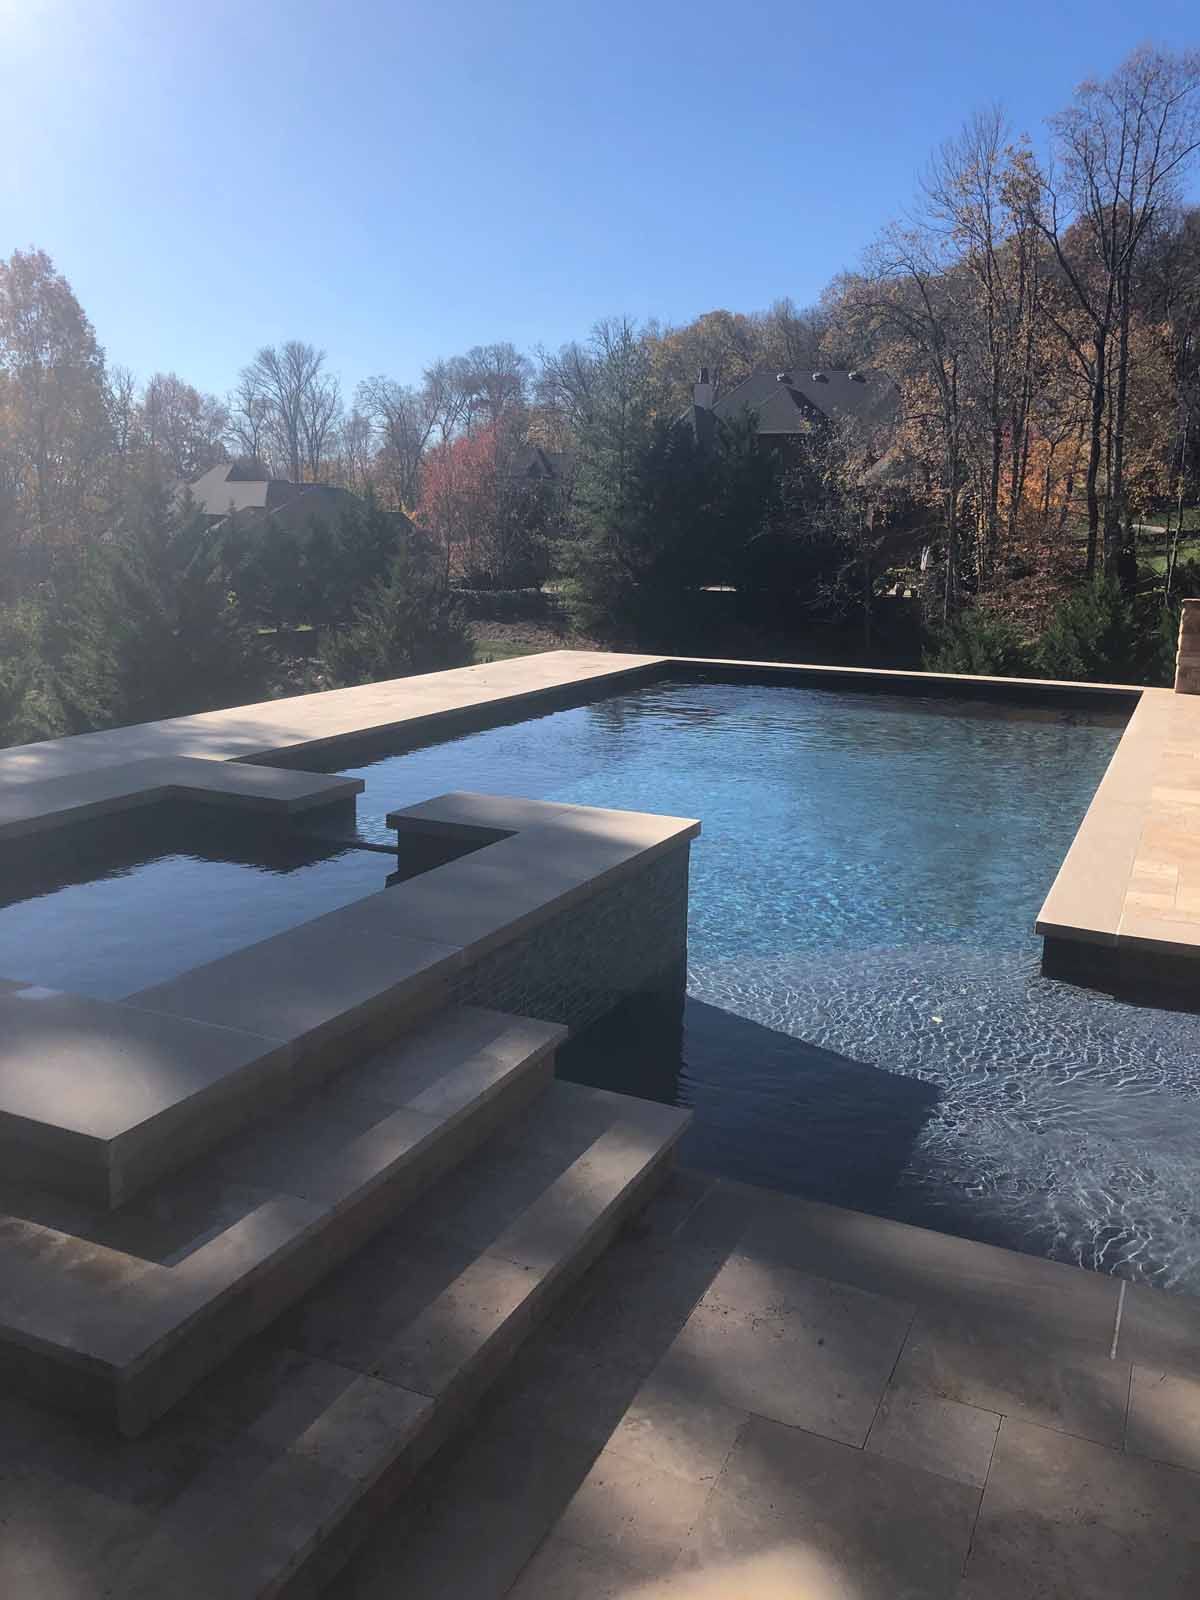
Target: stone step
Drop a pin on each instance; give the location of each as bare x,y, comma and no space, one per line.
100,1098
121,1313
265,1479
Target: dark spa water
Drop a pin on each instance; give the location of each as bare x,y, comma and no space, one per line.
865,1017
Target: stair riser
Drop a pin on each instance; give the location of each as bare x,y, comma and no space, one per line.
455,1410
133,1400
199,1125
255,1306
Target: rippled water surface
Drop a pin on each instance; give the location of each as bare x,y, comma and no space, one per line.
866,1019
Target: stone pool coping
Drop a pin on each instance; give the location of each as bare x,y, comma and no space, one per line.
77,797
102,1097
1126,901
1130,884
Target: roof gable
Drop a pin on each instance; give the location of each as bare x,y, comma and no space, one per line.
788,403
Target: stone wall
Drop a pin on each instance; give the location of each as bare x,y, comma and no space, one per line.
625,940
1187,658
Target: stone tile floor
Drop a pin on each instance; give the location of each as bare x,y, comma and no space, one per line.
753,1397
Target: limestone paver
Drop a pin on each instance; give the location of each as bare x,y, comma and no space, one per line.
814,1516
676,1424
635,1512
1164,1418
985,1288
562,1570
789,1511
943,1436
998,1369
1161,1330
1064,1516
813,1354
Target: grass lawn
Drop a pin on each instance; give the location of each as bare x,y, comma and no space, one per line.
503,641
1189,550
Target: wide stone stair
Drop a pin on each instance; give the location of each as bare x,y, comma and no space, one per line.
236,1371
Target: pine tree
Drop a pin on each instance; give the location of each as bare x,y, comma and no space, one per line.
151,629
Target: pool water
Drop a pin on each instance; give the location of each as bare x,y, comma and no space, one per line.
866,1021
112,909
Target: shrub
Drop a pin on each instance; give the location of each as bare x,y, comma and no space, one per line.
1096,635
409,621
151,629
28,706
979,643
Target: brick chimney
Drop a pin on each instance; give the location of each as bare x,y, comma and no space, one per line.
702,391
1187,660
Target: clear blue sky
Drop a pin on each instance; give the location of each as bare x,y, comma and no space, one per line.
397,181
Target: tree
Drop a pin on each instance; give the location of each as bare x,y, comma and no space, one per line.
151,630
186,428
906,301
495,378
297,403
404,419
53,405
407,622
249,411
982,190
1120,151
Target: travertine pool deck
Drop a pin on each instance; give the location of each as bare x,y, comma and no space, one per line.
753,1397
1130,882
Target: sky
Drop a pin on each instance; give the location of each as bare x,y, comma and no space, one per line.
397,182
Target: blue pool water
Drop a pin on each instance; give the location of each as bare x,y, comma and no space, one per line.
865,1021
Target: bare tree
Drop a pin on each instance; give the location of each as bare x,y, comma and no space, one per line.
320,412
906,303
300,400
497,378
980,190
1119,154
248,409
404,420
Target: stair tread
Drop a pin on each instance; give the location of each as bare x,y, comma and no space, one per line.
423,1319
108,1292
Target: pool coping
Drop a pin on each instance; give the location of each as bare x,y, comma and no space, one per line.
165,1072
1140,832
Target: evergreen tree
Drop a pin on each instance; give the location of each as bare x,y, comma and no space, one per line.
151,630
408,621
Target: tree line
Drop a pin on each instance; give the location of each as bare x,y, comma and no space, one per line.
1038,311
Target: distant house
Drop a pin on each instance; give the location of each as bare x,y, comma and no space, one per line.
788,405
247,489
532,467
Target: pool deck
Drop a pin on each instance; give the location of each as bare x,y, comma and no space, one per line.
1131,879
755,1397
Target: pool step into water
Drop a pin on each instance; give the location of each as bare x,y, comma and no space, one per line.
120,1314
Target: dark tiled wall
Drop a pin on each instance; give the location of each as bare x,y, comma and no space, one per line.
587,959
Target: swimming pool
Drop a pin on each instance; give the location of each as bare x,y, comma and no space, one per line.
866,1021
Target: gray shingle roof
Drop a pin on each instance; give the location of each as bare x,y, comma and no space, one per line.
791,406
